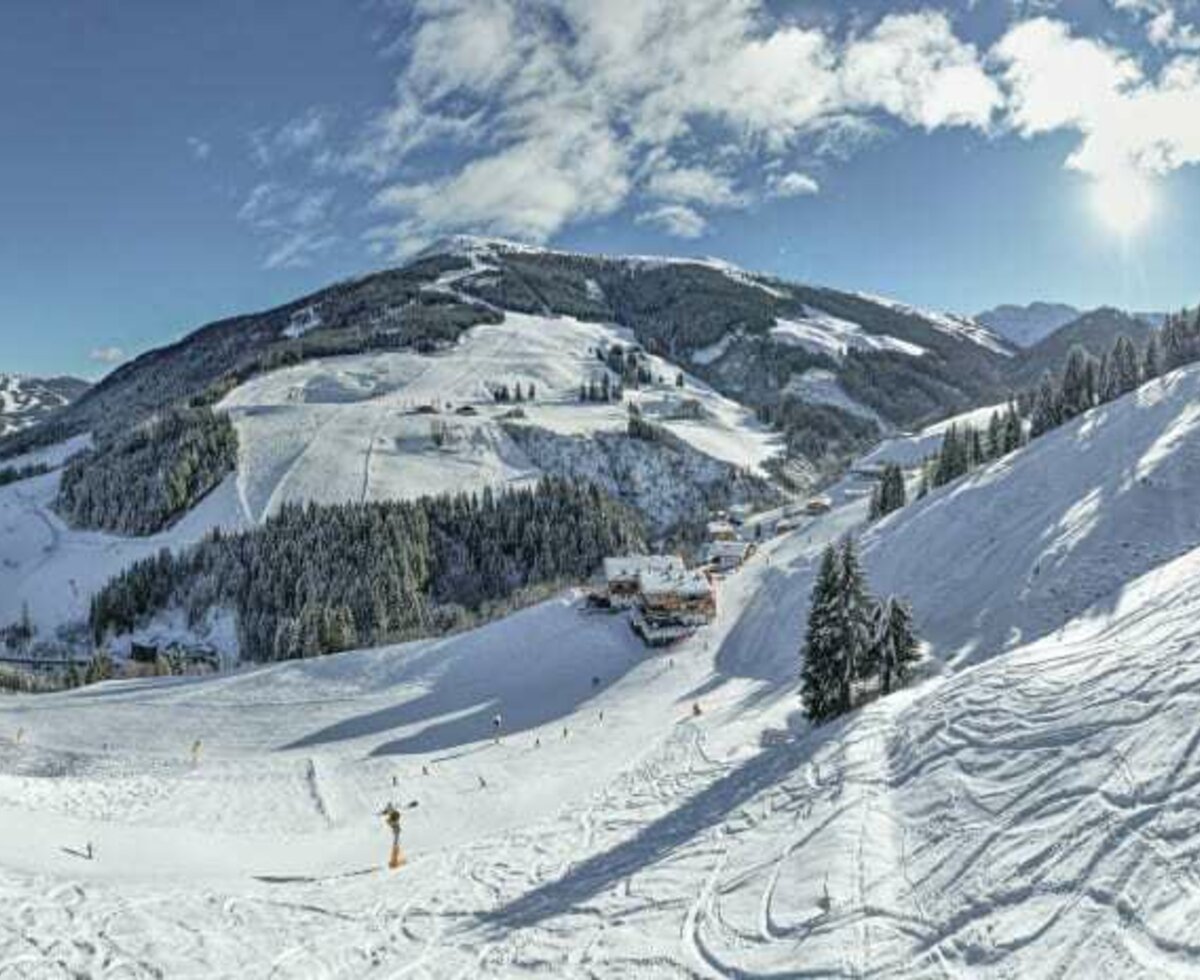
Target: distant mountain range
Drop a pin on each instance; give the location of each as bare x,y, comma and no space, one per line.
1026,325
1032,323
24,401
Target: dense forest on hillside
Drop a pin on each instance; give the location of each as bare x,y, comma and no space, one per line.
313,580
140,482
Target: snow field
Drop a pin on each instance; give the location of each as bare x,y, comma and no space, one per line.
1030,811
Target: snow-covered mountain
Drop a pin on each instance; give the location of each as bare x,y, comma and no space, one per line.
1026,325
1026,808
1095,331
746,334
25,401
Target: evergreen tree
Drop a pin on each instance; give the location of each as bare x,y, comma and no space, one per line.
1047,407
889,493
1125,369
995,436
1152,358
895,647
820,680
1014,434
1076,397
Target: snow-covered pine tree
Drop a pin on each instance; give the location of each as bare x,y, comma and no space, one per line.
995,436
819,677
1047,407
852,619
895,647
889,494
1152,358
1014,434
1076,393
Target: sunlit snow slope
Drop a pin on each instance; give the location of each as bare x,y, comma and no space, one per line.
346,428
1030,811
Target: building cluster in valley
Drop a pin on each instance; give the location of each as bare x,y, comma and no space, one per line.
671,601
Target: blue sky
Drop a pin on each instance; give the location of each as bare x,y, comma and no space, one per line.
166,164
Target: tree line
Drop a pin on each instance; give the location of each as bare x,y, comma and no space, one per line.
1087,381
316,579
855,644
141,481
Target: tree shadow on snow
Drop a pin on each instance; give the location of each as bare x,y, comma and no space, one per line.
531,668
587,879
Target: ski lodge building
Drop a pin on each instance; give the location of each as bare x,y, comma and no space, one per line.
672,600
674,605
623,576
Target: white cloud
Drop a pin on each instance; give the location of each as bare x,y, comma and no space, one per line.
106,355
562,110
1164,27
295,222
675,219
201,148
792,184
304,134
694,184
913,67
1128,122
520,117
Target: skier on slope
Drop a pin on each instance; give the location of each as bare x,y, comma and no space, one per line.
497,721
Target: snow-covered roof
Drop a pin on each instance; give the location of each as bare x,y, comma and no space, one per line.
688,584
727,549
630,567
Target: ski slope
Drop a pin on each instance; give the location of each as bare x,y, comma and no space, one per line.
1022,546
1028,808
53,570
347,428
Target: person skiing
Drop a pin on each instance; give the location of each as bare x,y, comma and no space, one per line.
497,721
696,712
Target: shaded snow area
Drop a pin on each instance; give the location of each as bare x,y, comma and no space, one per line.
816,386
821,333
54,569
1029,808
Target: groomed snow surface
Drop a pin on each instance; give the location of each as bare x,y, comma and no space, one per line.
1028,809
347,428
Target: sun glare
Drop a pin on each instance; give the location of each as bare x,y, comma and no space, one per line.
1124,203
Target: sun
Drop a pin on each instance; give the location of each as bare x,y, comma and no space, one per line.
1124,203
